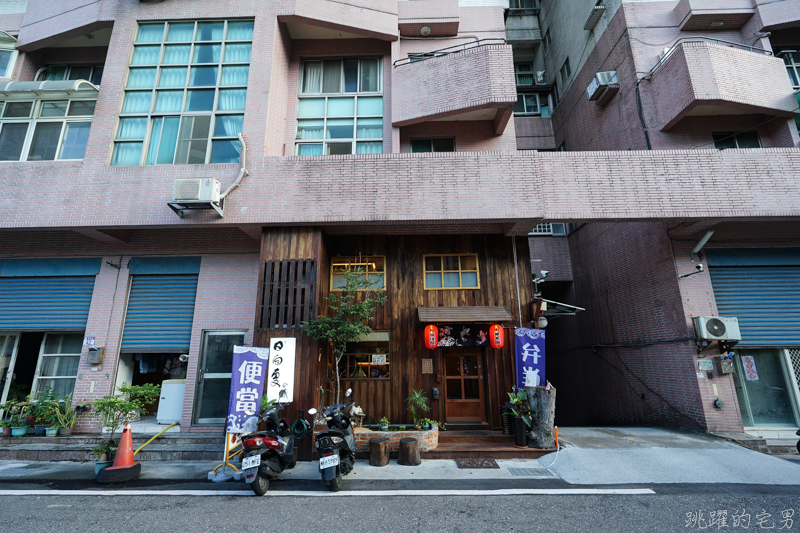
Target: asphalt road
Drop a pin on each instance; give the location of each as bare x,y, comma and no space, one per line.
673,507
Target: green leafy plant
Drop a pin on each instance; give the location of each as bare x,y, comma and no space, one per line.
418,403
430,422
18,412
383,421
266,404
116,410
349,310
67,416
105,450
42,404
518,405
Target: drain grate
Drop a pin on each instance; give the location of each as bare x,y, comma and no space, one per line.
537,472
477,463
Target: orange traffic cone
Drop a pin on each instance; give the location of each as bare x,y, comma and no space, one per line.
124,467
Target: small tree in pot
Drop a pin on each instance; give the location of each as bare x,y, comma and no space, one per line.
114,411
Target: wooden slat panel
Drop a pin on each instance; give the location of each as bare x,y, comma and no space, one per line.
462,313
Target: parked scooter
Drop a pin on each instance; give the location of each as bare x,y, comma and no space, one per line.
267,453
798,442
337,445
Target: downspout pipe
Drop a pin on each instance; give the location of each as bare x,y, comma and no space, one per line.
641,112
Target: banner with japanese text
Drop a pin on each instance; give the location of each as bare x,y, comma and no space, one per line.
249,374
529,349
280,382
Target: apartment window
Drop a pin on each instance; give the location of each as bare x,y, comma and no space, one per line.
340,107
446,144
566,72
532,104
44,130
524,73
368,359
546,41
8,58
185,94
91,73
370,268
745,139
451,271
524,4
792,60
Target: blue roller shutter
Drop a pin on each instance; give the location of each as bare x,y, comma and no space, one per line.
46,303
160,313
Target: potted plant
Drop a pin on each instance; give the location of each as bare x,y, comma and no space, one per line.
67,416
103,453
52,431
384,424
41,413
19,419
6,425
428,423
518,406
418,403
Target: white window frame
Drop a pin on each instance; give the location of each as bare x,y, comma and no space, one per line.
566,72
33,119
7,44
734,136
546,41
37,377
68,71
518,70
792,62
542,99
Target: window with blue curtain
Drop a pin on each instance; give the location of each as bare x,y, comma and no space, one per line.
185,93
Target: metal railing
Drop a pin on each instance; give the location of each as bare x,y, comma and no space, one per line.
683,40
414,58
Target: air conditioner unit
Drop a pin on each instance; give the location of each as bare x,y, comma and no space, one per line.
540,76
196,190
711,328
600,81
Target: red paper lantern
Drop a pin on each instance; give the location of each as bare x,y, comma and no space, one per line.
497,337
431,337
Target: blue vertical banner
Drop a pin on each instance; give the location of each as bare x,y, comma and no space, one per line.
247,385
529,350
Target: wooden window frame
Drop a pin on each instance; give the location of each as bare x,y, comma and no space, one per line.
362,260
460,271
343,369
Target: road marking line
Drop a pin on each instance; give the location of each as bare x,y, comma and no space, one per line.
319,494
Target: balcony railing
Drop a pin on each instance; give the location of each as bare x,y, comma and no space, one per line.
523,7
413,58
668,51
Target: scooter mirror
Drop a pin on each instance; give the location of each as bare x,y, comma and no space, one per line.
312,411
348,393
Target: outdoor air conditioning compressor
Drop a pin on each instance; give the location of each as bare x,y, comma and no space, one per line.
196,190
710,328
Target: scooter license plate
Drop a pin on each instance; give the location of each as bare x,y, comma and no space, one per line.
329,461
251,462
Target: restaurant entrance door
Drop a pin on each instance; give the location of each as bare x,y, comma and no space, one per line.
463,385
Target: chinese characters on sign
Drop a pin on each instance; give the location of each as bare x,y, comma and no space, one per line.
247,385
739,519
280,383
529,350
749,365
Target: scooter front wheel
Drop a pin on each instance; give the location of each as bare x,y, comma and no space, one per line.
260,485
336,484
798,446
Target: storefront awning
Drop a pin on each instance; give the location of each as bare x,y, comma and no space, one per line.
50,88
464,314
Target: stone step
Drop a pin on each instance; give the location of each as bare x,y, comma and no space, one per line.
474,436
483,450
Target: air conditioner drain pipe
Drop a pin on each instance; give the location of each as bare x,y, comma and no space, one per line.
242,172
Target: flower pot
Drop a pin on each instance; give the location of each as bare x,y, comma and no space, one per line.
19,432
426,427
51,432
65,432
384,428
7,431
38,430
520,430
99,465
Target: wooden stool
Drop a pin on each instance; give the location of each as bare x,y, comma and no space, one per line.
379,451
408,454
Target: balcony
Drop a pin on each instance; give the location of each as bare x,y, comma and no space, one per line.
704,15
711,77
46,22
474,81
309,19
440,17
522,27
534,133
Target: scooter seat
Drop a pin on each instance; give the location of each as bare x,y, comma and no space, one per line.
333,432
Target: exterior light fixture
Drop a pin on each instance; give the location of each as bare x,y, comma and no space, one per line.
497,337
431,337
425,31
542,322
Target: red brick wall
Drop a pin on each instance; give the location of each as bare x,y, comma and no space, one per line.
534,133
551,254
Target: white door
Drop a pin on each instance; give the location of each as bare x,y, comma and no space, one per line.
8,356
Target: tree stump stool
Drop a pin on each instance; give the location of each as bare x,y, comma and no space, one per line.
408,454
379,451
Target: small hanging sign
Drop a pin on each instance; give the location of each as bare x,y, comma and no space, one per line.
379,359
427,366
749,365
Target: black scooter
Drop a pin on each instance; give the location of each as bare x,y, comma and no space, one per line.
798,442
267,453
337,445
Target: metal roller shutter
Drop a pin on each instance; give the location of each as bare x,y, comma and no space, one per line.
160,313
765,299
45,303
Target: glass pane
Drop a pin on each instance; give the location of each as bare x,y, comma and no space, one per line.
724,140
176,54
81,108
97,75
369,75
54,109
203,76
18,109
312,77
209,31
452,365
433,263
309,129
169,101
232,99
309,149
60,365
454,389
155,136
180,31
470,365
228,125
45,141
206,53
68,343
340,128
421,146
469,262
451,279
369,148
340,149
12,137
74,144
132,128
450,262
443,145
544,109
332,77
769,399
531,103
5,61
311,107
225,151
150,33
469,279
173,77
55,73
351,75
141,78
237,53
213,402
61,387
80,73
370,105
127,154
433,281
137,102
218,352
145,55
202,100
341,107
235,75
520,106
472,389
369,128
240,31
191,152
748,139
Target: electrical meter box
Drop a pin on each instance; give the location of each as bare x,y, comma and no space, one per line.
724,366
95,356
